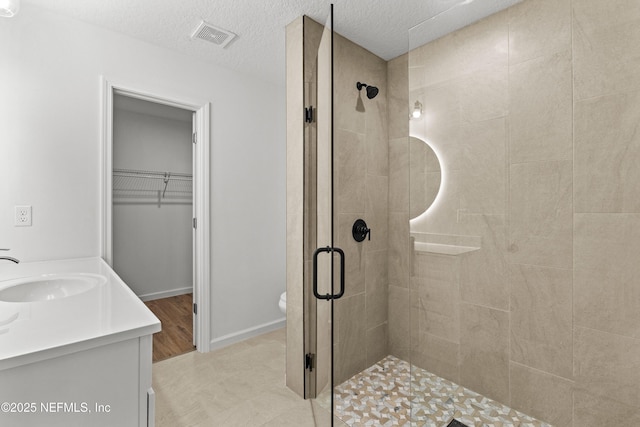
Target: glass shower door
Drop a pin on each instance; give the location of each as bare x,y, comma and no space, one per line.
324,262
317,212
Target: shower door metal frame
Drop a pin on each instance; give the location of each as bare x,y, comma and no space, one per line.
319,212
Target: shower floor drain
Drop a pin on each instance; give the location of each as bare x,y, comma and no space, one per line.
456,423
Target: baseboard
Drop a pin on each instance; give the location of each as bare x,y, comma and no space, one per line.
235,337
166,294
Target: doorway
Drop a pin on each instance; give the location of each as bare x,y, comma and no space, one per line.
152,214
161,249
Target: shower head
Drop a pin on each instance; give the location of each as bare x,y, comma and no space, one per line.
372,91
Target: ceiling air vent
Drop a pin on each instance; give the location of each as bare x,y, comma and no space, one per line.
213,34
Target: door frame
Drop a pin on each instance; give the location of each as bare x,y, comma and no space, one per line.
201,192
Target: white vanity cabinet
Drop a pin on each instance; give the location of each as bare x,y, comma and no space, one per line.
82,360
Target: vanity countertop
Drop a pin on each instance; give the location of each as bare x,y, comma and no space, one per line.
107,313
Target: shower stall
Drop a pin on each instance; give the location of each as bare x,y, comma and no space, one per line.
462,220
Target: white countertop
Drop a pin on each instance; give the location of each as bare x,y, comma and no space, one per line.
107,313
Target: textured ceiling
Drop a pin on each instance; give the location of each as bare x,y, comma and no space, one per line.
381,26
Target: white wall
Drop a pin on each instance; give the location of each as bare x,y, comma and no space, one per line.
152,243
50,69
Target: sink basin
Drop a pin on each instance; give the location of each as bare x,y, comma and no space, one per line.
48,287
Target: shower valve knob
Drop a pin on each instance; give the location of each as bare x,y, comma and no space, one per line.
360,230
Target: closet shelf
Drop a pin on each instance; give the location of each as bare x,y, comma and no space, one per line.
140,186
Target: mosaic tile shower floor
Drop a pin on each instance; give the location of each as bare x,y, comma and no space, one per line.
382,396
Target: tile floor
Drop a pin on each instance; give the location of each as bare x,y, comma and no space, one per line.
243,385
240,385
391,392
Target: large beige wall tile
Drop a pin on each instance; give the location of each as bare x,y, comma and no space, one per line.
399,318
484,351
417,177
377,288
295,347
483,43
440,123
541,108
541,318
484,167
435,294
352,61
438,322
354,253
606,52
597,411
607,153
417,77
607,365
607,291
295,259
543,396
442,216
541,214
464,52
313,33
350,171
432,188
399,249
377,140
398,96
438,356
484,94
376,212
377,344
399,175
434,267
538,28
295,180
483,276
324,343
350,340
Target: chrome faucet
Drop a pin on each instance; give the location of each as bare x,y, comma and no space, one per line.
8,258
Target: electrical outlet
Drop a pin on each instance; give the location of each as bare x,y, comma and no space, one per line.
23,216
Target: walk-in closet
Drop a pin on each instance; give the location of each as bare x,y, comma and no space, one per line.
153,214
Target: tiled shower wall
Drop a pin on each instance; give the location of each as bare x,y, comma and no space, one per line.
534,112
361,191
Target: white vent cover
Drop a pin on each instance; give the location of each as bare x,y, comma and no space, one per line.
213,34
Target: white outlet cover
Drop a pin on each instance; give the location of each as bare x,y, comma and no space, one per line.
22,216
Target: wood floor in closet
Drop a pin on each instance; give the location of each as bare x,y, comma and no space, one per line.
176,336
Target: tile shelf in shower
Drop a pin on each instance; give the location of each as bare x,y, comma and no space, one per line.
441,249
444,244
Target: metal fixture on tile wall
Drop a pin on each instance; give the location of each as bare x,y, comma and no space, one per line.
417,110
360,230
9,8
372,91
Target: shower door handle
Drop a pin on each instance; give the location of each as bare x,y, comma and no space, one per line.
330,250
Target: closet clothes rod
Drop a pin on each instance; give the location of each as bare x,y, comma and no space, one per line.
133,173
131,184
